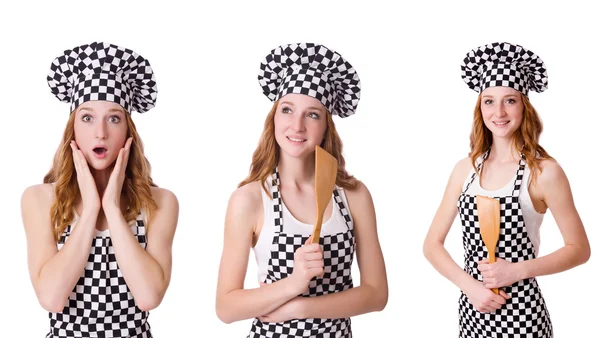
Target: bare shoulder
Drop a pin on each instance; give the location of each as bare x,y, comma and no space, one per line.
550,168
246,199
39,195
164,198
163,221
459,174
456,182
358,194
244,209
361,208
360,202
550,173
36,202
462,168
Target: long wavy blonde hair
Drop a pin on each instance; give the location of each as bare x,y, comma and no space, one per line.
527,135
136,191
266,155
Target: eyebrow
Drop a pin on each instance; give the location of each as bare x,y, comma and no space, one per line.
116,110
113,110
509,95
309,108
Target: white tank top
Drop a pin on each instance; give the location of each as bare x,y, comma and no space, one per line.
262,250
532,218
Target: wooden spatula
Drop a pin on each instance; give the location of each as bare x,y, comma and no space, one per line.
488,212
325,175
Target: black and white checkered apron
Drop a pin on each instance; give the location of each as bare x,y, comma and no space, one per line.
101,304
525,313
338,251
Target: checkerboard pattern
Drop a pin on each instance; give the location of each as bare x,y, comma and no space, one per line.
525,313
313,70
100,71
338,253
101,304
504,64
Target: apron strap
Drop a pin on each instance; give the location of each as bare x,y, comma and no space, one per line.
343,210
478,171
277,205
140,230
519,178
65,234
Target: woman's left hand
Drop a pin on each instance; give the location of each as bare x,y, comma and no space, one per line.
112,194
498,274
285,312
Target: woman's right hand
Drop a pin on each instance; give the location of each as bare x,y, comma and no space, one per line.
85,180
484,299
308,263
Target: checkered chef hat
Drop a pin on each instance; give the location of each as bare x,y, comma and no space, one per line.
313,70
101,71
506,65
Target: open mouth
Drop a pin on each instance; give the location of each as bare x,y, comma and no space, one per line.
501,123
101,151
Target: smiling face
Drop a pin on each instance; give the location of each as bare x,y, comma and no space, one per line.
100,132
502,110
300,124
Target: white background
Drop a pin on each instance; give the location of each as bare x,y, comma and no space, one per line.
411,127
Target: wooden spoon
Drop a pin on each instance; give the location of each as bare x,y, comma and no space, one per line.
488,212
325,175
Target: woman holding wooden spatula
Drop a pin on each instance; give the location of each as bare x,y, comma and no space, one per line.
298,175
511,182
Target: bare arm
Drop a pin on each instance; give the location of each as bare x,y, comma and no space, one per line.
552,189
147,272
433,247
54,273
372,293
233,302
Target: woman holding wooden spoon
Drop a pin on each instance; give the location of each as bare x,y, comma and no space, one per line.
99,231
306,289
506,162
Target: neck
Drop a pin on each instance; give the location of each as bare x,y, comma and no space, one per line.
101,178
503,150
296,171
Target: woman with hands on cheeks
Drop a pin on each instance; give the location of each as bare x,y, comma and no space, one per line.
99,231
507,163
306,290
